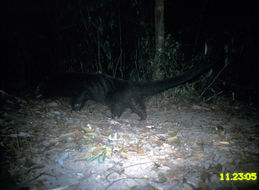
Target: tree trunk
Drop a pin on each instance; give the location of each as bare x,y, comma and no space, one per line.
159,25
159,36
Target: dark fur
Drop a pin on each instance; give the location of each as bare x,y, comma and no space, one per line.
115,93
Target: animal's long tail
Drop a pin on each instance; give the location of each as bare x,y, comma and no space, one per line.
153,87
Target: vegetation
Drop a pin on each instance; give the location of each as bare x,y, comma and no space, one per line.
117,37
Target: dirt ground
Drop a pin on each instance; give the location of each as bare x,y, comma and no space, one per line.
183,146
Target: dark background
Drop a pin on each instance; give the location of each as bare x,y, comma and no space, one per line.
45,37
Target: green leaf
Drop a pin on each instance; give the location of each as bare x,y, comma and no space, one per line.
92,158
101,157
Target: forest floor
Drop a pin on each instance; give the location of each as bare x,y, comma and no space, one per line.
183,146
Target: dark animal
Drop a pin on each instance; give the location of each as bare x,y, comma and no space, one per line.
117,94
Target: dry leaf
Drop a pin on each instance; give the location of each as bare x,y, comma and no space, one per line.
124,154
221,143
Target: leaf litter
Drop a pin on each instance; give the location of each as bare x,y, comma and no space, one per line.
178,148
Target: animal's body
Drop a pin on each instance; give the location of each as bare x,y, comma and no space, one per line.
117,94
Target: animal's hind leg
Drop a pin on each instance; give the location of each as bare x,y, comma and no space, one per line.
138,107
117,109
77,102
